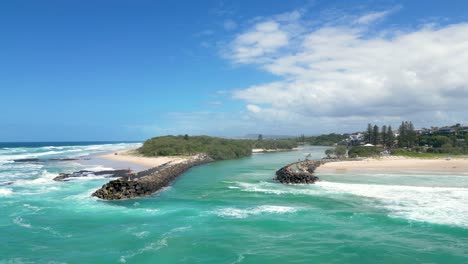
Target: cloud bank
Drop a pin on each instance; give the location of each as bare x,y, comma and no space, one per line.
350,72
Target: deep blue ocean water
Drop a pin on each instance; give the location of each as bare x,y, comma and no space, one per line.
228,212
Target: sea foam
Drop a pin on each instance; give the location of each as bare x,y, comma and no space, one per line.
244,213
5,192
21,222
439,205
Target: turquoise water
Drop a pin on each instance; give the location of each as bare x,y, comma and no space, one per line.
231,212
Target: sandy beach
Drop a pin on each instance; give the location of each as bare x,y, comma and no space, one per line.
395,163
131,156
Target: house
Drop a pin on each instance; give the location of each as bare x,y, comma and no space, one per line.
446,131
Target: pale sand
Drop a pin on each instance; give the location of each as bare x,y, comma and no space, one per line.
398,164
131,156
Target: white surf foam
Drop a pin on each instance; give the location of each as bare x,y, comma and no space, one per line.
156,245
44,178
244,213
440,205
7,155
141,234
21,222
262,187
5,192
32,207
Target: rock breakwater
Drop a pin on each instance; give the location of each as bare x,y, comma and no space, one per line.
86,173
301,172
298,172
147,182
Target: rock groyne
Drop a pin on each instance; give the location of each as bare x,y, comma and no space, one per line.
298,172
302,171
86,173
147,182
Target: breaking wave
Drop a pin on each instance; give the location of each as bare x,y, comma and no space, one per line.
438,205
244,213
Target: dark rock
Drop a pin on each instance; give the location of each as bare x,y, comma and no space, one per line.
64,159
302,171
26,160
85,173
146,182
298,172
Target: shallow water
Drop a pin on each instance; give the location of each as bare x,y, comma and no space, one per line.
231,212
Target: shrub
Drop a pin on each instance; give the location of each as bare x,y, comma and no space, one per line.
216,148
361,151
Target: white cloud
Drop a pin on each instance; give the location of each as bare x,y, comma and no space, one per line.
372,17
264,39
337,72
254,108
229,24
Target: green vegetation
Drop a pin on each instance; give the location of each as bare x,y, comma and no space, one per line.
425,143
422,155
273,144
361,151
407,136
216,148
376,136
322,140
339,151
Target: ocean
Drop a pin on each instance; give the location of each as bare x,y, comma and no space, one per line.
228,212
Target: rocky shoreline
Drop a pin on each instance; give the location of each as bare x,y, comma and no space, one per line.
86,173
301,172
147,182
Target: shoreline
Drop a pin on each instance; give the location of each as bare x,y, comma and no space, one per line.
395,164
132,157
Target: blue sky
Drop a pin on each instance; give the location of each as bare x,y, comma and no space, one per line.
129,70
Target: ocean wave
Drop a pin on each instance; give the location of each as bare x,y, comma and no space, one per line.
44,178
9,154
52,147
438,205
54,232
21,222
262,187
156,245
5,192
231,212
141,234
32,207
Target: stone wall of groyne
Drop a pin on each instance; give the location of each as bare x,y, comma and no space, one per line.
87,173
301,172
147,182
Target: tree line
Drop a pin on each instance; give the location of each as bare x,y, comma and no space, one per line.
409,139
216,148
384,136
